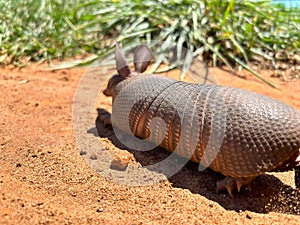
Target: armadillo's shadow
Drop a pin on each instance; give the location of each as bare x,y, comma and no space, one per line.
268,193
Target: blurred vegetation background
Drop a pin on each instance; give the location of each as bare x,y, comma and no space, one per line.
223,32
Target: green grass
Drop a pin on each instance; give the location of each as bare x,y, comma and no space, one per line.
223,31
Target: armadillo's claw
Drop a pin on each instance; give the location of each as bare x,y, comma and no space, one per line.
229,190
249,187
239,185
229,184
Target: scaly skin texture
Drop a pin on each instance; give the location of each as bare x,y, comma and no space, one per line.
260,133
256,133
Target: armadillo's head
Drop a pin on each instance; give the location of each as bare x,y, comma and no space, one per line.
142,58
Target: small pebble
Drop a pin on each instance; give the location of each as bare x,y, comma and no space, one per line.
297,58
23,82
99,210
120,162
93,157
83,152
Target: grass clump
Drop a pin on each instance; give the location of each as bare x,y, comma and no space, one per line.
42,30
230,32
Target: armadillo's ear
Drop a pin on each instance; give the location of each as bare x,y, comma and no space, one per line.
121,62
142,58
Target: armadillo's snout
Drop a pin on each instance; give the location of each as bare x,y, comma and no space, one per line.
111,85
106,92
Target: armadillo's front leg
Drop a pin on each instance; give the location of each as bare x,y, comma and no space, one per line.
229,184
297,177
105,119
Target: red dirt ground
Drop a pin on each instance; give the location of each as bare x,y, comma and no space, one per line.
44,179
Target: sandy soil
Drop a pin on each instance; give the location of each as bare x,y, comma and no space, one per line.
45,180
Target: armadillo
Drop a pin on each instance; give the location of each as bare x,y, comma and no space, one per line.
259,134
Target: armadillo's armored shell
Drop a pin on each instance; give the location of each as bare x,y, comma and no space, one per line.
248,133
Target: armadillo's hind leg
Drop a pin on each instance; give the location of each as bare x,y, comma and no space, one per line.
229,184
297,172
